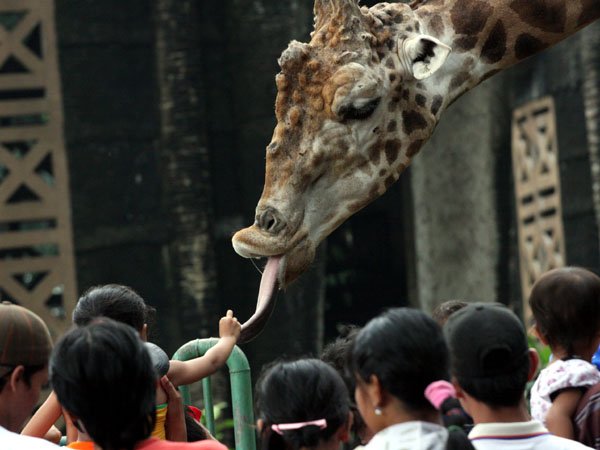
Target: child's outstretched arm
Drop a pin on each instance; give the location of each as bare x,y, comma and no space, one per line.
186,372
559,419
44,418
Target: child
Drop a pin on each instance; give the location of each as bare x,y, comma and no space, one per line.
103,376
565,304
336,354
302,404
123,304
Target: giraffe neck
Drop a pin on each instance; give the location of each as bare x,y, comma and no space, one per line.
487,37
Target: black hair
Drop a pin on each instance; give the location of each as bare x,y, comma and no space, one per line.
28,372
406,350
444,310
506,390
195,432
299,391
103,375
115,301
565,304
336,354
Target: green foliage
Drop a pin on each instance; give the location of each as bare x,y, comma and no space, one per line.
223,424
543,350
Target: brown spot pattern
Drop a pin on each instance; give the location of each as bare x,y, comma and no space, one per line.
464,43
413,120
392,149
437,25
436,104
420,99
375,152
414,148
392,77
589,11
458,80
542,14
527,45
281,82
494,47
391,126
470,16
313,65
389,181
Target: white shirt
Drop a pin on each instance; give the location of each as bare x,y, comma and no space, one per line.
15,441
530,435
572,373
414,435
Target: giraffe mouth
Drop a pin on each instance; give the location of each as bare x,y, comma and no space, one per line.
267,297
281,269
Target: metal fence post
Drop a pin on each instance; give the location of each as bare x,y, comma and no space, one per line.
241,391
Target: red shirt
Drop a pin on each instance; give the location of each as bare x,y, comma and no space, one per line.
158,444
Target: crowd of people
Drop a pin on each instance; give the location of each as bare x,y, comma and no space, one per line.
457,379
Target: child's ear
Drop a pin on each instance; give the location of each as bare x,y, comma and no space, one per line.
144,333
15,377
534,363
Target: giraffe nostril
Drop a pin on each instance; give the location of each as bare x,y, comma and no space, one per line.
270,221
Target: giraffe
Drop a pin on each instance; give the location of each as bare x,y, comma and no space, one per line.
357,103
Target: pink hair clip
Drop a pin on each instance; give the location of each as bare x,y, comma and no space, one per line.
280,428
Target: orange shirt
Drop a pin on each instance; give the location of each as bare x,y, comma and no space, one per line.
81,445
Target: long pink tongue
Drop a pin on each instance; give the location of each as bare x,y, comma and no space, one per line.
265,303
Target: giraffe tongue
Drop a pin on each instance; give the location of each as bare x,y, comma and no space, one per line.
265,304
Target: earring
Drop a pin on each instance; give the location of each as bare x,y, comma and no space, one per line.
377,411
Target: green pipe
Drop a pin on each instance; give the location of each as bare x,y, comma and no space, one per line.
241,391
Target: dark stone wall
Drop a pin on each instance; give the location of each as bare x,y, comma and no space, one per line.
107,64
111,93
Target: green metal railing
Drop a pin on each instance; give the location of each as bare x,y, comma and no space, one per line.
241,391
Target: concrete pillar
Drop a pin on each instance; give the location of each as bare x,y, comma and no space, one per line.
455,214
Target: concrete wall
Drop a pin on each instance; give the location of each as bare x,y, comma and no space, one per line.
454,195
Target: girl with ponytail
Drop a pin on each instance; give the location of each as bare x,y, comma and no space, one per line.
302,404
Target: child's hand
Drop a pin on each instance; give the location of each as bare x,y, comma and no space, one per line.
229,326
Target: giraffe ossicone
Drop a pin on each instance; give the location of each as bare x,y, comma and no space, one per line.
356,103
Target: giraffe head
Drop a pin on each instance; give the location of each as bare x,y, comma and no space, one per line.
351,112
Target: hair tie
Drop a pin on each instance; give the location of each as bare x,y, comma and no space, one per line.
438,391
280,428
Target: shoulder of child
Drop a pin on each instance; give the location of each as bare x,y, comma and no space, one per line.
565,374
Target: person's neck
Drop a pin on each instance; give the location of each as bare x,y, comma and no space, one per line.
583,353
400,415
6,416
482,413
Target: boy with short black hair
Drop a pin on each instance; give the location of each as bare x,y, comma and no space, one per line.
491,364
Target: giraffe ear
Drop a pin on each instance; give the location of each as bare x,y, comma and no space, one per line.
425,55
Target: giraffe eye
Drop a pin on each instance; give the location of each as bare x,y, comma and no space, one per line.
351,112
